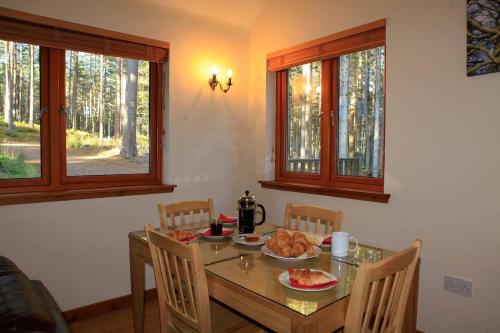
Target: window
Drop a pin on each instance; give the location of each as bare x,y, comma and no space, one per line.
330,115
107,115
80,111
20,122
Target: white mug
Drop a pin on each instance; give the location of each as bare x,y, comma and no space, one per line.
340,244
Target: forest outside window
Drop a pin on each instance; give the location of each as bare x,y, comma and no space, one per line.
20,130
107,115
330,115
79,111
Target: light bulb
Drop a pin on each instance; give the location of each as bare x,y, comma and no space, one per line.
215,70
229,73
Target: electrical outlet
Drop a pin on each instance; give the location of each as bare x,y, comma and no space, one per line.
457,285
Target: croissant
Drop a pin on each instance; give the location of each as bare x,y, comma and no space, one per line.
286,244
307,277
298,249
283,238
180,235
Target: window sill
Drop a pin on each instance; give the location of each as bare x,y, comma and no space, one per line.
323,190
61,195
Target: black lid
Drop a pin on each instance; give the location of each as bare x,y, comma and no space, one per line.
246,199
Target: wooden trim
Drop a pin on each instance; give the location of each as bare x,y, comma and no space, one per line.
73,194
56,23
326,190
106,306
328,49
327,104
347,41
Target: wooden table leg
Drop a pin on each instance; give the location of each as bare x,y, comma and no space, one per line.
137,283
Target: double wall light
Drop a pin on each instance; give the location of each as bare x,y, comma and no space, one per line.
213,82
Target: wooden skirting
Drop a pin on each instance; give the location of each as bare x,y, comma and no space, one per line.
103,307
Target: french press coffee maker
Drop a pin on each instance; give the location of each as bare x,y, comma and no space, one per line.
247,209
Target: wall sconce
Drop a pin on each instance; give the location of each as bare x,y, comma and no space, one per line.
213,82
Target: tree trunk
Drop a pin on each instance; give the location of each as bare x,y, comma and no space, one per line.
377,115
367,132
117,115
129,147
19,87
100,103
123,92
8,117
74,89
13,82
343,107
32,86
308,138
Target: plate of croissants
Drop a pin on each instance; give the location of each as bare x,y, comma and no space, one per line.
290,245
307,279
182,236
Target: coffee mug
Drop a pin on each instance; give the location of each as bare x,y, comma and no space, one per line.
340,244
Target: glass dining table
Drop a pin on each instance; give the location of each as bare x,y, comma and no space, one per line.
245,279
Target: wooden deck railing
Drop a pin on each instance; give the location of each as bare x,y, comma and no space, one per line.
347,166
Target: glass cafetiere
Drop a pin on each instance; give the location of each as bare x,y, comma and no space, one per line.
247,209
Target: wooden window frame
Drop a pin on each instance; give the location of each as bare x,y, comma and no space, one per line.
328,50
54,184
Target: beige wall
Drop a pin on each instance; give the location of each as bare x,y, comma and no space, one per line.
441,147
440,162
80,248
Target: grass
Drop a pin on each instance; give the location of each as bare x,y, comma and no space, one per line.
23,132
80,139
74,138
16,167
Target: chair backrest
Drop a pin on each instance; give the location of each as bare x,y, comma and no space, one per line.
312,217
380,293
181,283
183,212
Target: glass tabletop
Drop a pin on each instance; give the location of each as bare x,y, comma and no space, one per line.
215,251
249,268
259,273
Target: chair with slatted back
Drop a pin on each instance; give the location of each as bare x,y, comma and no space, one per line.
184,212
312,217
182,289
380,293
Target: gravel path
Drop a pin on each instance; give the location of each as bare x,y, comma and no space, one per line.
82,161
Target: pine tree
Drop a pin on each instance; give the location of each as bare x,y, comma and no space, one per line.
129,146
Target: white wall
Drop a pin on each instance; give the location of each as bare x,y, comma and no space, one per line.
441,147
80,248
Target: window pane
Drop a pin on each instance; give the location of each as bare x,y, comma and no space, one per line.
20,110
303,118
361,114
107,115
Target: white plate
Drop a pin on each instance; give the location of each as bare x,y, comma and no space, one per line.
285,280
240,239
268,252
215,237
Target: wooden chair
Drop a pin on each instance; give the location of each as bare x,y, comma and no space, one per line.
313,217
380,293
182,290
169,213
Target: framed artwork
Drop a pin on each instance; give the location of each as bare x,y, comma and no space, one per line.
483,36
